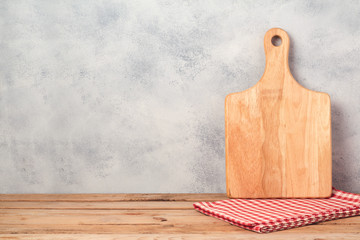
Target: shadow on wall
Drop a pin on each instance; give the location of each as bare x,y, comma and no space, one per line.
340,150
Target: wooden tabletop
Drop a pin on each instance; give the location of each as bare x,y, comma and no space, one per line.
137,216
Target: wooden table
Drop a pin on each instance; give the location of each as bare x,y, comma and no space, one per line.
136,216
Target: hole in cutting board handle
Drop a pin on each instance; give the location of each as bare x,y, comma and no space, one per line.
276,41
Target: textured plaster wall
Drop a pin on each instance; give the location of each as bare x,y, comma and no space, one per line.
128,96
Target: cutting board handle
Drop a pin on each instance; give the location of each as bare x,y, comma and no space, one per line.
278,134
276,57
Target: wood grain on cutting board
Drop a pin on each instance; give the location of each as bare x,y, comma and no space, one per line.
278,134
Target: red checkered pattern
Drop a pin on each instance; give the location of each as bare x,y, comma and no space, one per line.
270,215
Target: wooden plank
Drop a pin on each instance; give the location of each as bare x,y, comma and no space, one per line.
136,205
118,228
125,216
37,216
237,236
191,197
278,134
32,216
198,228
135,218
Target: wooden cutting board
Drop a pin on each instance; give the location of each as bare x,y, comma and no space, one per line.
278,134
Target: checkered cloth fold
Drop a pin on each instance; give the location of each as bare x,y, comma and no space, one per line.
270,215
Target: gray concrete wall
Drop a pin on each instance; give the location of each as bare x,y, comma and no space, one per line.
128,96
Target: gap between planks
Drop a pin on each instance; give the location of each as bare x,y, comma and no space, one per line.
305,236
177,236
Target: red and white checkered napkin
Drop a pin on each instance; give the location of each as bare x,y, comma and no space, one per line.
269,215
